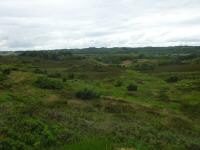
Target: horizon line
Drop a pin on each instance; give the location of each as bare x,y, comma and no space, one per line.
99,48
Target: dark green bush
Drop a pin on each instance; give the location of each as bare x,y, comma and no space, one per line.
118,83
6,71
2,77
27,132
39,71
132,87
163,96
118,108
71,76
64,79
191,109
46,83
10,144
172,79
144,67
54,75
87,94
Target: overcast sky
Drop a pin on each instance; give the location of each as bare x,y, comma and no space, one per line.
54,24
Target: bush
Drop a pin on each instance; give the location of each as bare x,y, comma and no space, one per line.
172,79
46,83
2,77
191,109
71,76
54,75
87,94
6,71
118,84
64,79
132,87
144,67
39,71
163,96
28,133
118,108
12,144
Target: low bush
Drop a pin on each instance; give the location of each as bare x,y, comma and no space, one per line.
46,83
132,87
118,83
6,71
28,133
163,96
179,124
54,75
144,67
64,79
39,71
191,109
71,76
172,79
5,85
2,77
118,108
87,94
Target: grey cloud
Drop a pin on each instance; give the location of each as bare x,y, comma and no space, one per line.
50,24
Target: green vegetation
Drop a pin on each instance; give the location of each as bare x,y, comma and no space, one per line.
172,79
46,83
2,77
103,99
87,94
132,87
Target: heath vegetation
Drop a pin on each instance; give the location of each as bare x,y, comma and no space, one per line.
100,98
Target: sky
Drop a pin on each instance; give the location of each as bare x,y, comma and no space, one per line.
57,24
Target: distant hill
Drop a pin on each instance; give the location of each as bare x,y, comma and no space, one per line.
114,50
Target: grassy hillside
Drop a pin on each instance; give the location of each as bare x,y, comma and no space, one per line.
104,99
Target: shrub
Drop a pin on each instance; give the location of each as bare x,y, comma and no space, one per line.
39,71
2,77
5,85
163,96
71,76
46,83
9,143
144,67
191,109
172,79
118,84
118,108
132,87
54,75
31,132
6,71
87,94
64,79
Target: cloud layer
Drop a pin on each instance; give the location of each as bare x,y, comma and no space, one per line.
53,24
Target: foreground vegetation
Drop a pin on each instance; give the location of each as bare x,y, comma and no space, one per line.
104,99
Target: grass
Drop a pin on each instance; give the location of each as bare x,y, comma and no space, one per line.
177,68
40,111
89,144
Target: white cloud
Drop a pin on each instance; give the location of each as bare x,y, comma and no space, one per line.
50,24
